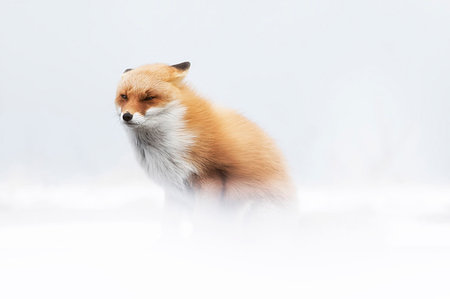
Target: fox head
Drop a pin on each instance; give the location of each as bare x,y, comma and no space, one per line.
144,91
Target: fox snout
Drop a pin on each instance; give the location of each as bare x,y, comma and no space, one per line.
127,116
132,119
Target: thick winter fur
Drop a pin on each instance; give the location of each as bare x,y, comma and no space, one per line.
188,144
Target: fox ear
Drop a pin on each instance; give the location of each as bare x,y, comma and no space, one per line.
184,66
127,70
180,70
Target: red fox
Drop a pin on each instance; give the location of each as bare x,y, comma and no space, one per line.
190,145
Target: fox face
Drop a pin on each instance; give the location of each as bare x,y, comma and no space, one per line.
144,92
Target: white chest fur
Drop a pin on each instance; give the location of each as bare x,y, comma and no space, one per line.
162,144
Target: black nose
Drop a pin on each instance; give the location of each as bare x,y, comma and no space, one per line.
127,116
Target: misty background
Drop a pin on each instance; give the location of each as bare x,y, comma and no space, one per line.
356,94
351,91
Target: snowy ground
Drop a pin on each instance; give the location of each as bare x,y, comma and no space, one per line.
86,241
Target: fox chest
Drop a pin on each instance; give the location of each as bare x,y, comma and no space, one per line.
164,154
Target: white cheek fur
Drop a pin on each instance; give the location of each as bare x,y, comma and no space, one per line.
138,119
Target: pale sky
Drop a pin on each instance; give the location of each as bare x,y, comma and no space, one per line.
355,90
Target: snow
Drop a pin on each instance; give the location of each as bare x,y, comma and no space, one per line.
93,241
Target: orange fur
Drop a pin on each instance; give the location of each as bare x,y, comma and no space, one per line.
233,156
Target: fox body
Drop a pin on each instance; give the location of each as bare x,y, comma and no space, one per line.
187,144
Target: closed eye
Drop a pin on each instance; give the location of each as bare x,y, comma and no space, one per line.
148,98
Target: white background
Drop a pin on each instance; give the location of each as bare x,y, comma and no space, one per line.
356,93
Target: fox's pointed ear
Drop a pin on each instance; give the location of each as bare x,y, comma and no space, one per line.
181,69
127,70
184,66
